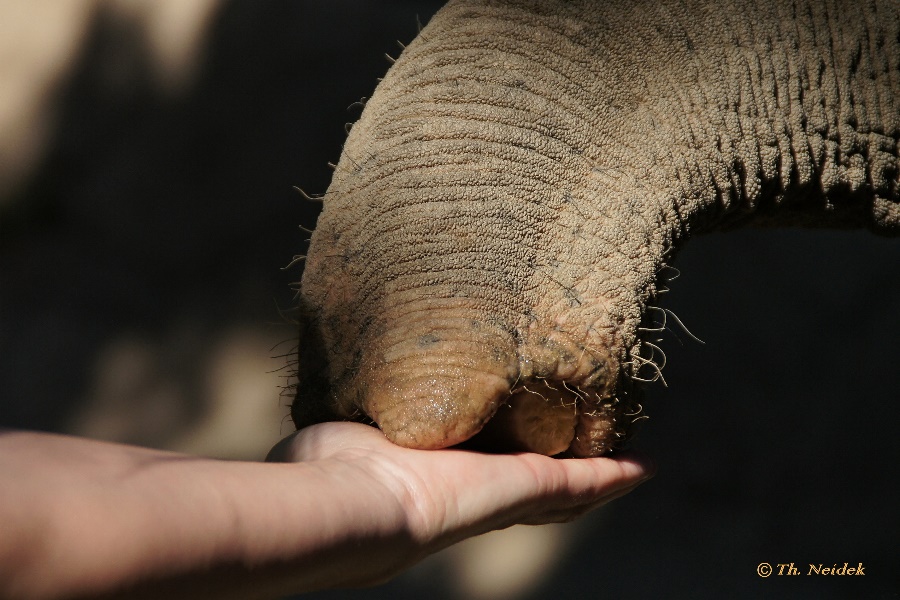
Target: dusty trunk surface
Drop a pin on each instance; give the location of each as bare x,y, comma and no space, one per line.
502,214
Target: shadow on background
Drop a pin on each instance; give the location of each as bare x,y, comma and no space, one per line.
144,243
141,240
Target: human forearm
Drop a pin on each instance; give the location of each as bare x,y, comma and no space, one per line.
86,518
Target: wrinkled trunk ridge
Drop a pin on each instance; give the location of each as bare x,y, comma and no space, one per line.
501,215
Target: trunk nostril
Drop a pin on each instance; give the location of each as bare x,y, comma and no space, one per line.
536,418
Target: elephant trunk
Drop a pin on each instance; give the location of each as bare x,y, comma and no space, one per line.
501,213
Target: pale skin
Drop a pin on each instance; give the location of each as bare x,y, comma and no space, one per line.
343,508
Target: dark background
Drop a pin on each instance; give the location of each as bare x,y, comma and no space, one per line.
140,263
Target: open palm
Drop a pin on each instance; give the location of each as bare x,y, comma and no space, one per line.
449,495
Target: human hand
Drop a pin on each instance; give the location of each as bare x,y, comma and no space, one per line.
449,495
94,519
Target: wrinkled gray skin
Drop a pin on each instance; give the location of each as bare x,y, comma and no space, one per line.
492,242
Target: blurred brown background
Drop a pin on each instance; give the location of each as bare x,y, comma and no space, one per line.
147,154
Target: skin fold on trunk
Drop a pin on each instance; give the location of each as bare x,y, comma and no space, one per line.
496,234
